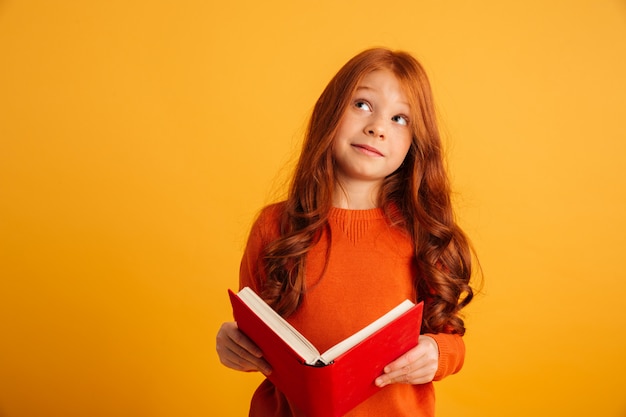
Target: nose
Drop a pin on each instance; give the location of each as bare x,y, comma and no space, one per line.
375,129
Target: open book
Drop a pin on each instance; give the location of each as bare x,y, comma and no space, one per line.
333,382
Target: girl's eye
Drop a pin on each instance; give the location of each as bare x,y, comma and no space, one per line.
403,120
360,104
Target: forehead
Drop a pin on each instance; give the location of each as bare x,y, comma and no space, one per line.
384,82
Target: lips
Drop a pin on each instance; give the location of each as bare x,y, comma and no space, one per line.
368,150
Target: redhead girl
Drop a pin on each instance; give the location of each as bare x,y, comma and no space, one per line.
368,222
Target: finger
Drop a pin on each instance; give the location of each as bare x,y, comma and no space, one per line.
246,362
230,334
405,360
404,371
417,376
238,358
237,351
420,371
230,337
245,343
399,376
258,363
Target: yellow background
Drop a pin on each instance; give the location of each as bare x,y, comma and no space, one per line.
139,138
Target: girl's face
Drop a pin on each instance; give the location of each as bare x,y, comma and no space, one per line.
374,134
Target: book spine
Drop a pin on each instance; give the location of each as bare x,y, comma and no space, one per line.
319,385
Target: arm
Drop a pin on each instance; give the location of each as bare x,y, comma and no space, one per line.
435,357
234,349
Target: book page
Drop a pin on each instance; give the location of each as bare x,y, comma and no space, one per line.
347,344
280,326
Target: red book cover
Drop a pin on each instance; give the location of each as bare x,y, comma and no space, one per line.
334,389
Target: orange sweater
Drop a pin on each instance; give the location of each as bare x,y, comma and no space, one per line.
370,270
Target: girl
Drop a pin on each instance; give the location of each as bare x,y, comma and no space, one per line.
367,223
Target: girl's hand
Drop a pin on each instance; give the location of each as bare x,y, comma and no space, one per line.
238,352
417,366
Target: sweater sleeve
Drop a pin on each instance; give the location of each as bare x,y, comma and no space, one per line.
451,354
264,230
250,268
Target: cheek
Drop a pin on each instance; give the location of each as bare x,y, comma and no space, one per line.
406,146
403,151
337,147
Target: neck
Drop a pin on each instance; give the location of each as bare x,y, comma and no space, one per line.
356,195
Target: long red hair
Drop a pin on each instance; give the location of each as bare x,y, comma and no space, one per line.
416,197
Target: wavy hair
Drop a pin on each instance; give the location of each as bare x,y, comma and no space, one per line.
416,198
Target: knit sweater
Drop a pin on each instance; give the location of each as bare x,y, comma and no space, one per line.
368,270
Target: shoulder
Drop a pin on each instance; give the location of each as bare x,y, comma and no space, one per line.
271,214
273,211
267,223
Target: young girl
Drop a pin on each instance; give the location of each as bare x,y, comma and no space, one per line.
368,223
